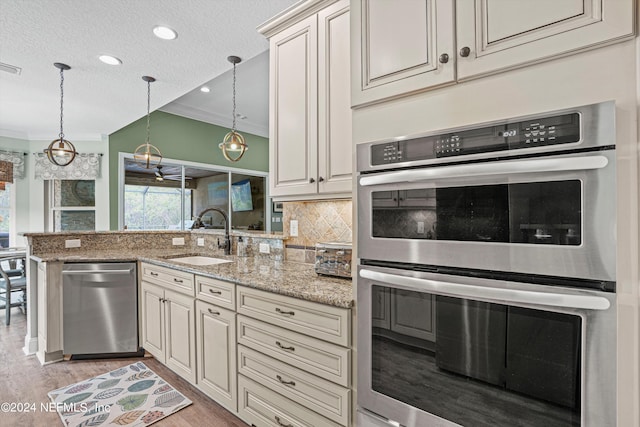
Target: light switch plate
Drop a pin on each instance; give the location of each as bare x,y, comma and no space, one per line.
178,241
200,241
420,227
72,243
293,228
264,248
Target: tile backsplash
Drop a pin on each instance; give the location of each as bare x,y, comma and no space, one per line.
321,221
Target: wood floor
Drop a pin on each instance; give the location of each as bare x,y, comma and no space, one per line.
23,379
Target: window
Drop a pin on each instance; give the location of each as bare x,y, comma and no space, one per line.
172,195
154,208
5,215
72,205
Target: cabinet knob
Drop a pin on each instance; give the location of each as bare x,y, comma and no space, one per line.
215,292
320,179
311,180
292,383
444,58
465,51
215,313
288,313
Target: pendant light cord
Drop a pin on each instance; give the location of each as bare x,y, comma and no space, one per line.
148,109
233,126
61,135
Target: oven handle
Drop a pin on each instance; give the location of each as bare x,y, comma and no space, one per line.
491,168
549,299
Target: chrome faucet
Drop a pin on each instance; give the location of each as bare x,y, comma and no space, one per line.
227,240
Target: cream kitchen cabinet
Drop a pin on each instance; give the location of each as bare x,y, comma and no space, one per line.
310,116
294,361
168,320
405,47
216,341
49,291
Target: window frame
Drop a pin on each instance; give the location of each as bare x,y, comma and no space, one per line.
185,163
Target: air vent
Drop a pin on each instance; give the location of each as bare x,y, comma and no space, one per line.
11,69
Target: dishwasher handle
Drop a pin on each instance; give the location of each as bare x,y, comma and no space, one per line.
90,272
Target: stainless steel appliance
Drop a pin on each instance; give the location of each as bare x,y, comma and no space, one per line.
333,259
506,196
486,284
100,309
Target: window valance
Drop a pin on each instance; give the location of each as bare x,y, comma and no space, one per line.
17,158
84,166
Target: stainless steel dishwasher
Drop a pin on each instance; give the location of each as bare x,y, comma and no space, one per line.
100,309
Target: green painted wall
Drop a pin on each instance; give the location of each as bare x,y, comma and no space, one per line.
181,139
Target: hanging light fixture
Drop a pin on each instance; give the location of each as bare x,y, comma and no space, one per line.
233,146
146,155
61,152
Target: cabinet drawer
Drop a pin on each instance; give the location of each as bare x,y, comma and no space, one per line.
322,321
321,396
261,407
222,294
321,358
178,281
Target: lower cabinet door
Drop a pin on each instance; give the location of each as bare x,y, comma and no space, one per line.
153,320
180,353
216,353
262,407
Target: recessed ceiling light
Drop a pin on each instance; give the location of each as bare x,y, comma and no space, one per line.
164,33
12,69
205,89
108,59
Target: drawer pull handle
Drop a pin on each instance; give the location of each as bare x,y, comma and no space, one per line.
215,292
290,313
281,423
153,273
290,348
217,313
177,280
293,383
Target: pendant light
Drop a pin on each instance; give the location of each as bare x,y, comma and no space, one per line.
61,152
146,155
233,146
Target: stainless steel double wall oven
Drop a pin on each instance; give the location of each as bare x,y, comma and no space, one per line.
486,284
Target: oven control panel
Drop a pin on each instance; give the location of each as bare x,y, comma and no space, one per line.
551,130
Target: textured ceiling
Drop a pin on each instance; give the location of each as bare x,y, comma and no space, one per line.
100,99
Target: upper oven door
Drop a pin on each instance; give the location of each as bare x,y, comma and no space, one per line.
552,215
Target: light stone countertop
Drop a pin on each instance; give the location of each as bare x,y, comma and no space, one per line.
290,278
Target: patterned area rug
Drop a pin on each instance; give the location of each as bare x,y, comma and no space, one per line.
130,396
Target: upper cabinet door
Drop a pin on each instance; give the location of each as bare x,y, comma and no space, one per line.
400,47
334,100
501,34
293,115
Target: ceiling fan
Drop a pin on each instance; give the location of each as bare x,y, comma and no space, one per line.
161,176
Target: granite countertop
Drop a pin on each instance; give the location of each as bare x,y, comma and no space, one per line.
294,279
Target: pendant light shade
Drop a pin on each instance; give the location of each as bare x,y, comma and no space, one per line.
147,155
61,152
233,146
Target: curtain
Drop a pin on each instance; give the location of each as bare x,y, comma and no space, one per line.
17,158
84,166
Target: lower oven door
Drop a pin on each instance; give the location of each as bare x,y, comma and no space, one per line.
552,214
444,350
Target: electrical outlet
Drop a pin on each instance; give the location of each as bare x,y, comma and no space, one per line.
178,241
264,248
72,243
200,241
420,227
293,228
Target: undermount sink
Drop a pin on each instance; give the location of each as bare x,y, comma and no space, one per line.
199,260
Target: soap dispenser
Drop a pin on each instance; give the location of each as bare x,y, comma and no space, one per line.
242,247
